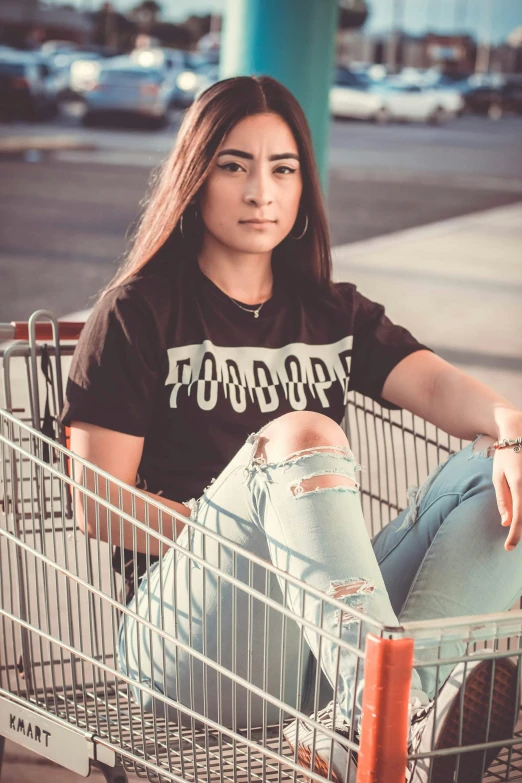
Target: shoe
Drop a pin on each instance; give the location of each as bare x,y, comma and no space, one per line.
325,749
342,771
429,729
434,730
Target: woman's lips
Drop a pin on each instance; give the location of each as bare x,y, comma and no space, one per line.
257,223
258,226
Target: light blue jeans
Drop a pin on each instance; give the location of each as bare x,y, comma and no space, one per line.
443,556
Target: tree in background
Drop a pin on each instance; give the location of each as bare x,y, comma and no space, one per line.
112,29
352,14
146,14
177,36
198,25
118,31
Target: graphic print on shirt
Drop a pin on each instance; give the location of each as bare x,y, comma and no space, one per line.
259,375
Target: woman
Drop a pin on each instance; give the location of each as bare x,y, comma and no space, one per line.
224,321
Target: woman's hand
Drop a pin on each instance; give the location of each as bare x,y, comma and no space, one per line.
507,480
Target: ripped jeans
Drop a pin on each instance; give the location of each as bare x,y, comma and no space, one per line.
442,556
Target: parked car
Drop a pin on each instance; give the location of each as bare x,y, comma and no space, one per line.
493,94
74,71
81,72
354,95
123,88
26,90
184,87
449,99
351,96
411,102
159,57
351,77
52,47
449,94
55,80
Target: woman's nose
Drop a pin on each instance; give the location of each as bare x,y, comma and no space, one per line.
258,190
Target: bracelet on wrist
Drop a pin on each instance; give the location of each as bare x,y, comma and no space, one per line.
504,444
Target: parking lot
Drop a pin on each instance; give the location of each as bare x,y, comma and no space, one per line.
65,216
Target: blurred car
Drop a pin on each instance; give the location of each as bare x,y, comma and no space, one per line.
186,73
378,72
185,87
450,100
209,46
51,47
82,71
26,88
54,79
449,94
493,95
414,103
73,71
123,88
351,95
162,58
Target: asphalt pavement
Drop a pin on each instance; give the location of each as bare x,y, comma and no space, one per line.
64,217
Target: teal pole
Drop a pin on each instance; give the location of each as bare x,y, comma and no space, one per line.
294,42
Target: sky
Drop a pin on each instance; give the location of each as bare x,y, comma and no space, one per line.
476,17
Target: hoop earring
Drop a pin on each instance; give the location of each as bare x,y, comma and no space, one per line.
304,230
181,223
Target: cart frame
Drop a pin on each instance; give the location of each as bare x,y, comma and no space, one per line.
61,608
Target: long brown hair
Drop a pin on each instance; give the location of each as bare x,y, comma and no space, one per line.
305,262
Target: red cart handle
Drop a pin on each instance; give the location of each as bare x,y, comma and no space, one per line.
19,330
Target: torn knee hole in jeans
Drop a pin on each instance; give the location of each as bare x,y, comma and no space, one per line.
259,457
355,592
323,482
344,451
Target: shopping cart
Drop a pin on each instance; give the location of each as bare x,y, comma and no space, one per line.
62,692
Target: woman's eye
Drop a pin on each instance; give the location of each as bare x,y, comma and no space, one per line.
283,169
226,167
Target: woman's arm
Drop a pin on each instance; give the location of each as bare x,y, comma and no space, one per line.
118,454
440,393
462,406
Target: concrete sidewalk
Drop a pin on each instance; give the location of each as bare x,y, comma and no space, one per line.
13,145
457,286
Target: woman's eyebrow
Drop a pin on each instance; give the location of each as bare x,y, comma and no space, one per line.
248,156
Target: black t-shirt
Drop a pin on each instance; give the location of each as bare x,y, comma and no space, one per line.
170,357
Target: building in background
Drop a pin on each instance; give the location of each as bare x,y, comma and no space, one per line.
450,53
26,23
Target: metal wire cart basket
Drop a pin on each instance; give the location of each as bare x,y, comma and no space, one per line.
63,692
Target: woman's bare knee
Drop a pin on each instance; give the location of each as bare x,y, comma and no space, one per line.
297,431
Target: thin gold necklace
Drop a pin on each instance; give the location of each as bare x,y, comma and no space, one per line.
255,313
